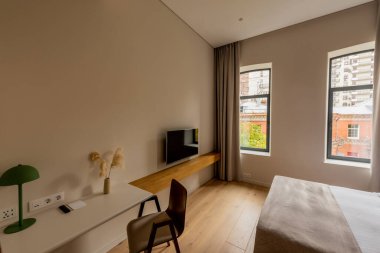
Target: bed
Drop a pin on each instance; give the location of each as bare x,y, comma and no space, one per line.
303,216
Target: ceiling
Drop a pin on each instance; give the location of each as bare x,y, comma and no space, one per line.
224,21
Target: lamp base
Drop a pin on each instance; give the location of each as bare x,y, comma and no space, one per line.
14,228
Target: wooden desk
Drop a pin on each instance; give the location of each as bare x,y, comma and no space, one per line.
160,180
53,228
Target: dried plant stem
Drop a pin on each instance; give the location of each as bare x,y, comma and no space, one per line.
117,161
109,172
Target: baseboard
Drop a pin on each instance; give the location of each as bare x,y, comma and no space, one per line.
256,182
111,244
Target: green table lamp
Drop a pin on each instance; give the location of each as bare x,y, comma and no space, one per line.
19,175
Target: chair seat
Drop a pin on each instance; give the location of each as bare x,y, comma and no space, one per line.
139,231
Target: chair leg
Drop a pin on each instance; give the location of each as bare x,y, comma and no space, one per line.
157,203
142,205
174,236
151,239
141,210
168,243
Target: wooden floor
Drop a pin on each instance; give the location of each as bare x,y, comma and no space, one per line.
221,217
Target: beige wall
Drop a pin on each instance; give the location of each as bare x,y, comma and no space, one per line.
78,76
299,57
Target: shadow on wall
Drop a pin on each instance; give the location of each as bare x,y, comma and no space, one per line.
66,181
161,150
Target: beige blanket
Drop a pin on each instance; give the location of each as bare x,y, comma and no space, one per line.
302,216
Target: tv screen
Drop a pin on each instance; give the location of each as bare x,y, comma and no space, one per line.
181,144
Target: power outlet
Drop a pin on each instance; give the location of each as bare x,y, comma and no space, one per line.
46,201
8,213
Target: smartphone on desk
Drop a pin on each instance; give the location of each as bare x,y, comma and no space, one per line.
64,209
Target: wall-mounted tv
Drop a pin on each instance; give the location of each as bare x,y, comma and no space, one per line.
181,144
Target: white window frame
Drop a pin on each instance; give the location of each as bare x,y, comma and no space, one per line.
351,128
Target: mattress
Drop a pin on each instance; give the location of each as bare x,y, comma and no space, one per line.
362,212
308,217
299,216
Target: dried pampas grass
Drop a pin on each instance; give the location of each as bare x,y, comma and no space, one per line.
104,170
118,158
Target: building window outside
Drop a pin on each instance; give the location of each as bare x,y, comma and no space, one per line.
255,109
352,154
353,131
350,106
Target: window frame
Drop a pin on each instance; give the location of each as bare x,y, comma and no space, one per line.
267,96
356,129
330,105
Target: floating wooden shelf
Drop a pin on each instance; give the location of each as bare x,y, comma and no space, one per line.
160,180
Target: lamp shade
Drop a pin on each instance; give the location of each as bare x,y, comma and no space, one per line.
18,175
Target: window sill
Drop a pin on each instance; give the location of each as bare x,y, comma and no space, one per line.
251,152
348,163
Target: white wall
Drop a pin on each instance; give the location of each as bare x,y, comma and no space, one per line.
299,70
81,75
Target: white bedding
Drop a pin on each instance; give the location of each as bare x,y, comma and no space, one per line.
362,212
299,216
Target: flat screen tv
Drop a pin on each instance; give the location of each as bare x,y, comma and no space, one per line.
181,144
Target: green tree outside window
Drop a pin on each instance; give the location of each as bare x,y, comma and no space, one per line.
251,136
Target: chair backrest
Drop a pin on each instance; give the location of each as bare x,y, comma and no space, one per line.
177,205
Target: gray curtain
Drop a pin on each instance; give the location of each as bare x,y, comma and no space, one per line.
375,161
227,98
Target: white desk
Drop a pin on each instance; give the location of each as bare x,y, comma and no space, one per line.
53,228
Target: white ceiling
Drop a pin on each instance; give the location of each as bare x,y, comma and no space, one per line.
217,21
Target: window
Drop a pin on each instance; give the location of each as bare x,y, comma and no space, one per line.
255,83
353,131
350,105
352,154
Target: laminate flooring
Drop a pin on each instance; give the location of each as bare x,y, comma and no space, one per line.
221,217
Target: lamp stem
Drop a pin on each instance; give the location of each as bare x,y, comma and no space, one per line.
20,220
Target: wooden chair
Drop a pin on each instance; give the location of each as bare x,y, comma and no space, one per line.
150,230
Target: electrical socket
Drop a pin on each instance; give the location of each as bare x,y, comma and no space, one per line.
8,213
46,201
